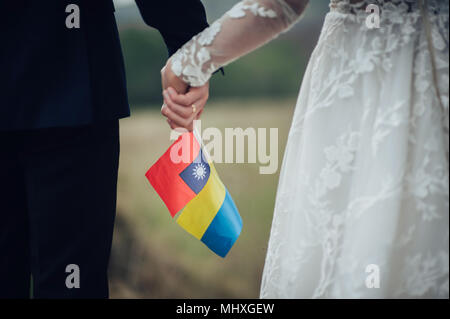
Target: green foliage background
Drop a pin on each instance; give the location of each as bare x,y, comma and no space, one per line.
273,71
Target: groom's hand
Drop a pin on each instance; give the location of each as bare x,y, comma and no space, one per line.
182,109
182,104
169,79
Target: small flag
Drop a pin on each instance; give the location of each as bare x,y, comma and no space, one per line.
186,180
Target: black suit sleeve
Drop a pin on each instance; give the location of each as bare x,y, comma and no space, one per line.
177,20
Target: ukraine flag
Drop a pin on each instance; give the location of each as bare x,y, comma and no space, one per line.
186,180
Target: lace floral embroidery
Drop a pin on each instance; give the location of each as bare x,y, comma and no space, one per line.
195,61
238,11
365,177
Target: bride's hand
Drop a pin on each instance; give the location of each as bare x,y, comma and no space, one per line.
182,104
169,79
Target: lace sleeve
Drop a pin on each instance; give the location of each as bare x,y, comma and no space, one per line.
247,26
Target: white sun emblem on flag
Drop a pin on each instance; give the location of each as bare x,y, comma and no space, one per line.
199,171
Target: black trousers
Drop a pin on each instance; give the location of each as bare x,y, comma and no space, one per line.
57,210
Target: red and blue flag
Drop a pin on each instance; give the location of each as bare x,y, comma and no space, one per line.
187,182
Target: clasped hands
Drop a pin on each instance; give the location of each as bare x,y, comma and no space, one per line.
182,104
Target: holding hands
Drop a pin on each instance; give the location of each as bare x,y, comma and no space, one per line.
182,104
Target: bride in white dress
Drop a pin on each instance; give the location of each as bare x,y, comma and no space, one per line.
363,198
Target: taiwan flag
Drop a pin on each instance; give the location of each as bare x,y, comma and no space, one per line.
186,180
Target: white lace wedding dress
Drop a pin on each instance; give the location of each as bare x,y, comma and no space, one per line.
364,184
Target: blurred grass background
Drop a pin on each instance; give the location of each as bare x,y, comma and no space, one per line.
152,256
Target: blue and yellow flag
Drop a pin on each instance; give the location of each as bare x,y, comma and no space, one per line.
187,182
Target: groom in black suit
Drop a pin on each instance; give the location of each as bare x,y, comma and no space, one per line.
62,92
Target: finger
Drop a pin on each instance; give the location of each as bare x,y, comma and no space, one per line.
198,93
199,114
183,111
194,94
200,106
176,122
197,108
175,118
180,99
191,116
171,124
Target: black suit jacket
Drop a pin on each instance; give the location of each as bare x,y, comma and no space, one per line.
52,76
